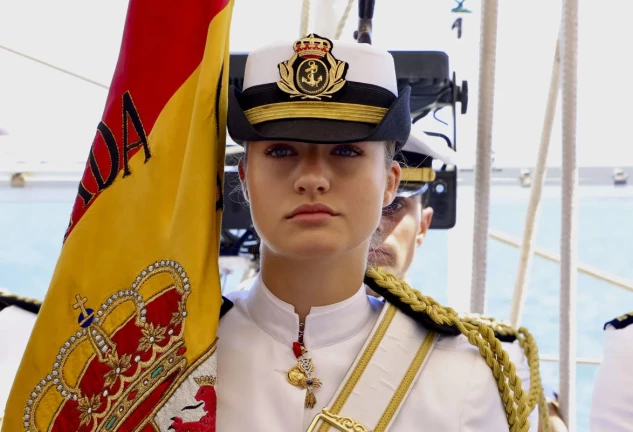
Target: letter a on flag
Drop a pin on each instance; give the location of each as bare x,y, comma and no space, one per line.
126,336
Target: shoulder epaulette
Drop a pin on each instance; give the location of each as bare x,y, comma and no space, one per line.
420,317
437,318
621,321
28,304
503,331
226,306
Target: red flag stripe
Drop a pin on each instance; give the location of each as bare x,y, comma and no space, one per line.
162,44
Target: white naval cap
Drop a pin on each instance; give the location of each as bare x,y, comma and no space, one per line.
417,157
319,91
427,146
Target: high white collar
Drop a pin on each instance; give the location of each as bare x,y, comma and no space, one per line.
325,325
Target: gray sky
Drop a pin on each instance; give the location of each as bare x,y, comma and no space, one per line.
54,116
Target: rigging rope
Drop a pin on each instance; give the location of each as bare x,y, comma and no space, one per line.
569,226
531,218
57,68
343,20
305,18
484,153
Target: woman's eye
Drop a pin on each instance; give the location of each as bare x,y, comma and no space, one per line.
278,152
347,151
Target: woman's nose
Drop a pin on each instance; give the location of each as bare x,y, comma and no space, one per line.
314,176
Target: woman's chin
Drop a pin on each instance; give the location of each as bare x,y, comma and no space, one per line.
315,251
311,247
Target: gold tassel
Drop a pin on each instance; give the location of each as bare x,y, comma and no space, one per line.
310,399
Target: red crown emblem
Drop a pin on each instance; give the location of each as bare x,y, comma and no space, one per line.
312,46
124,360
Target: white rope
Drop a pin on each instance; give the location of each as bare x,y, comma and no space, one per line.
57,68
305,18
484,143
579,360
531,218
569,226
593,272
343,21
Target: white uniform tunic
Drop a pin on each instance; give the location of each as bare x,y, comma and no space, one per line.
15,329
455,391
612,406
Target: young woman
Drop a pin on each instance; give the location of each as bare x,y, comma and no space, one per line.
305,348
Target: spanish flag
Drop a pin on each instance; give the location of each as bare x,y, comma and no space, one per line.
125,338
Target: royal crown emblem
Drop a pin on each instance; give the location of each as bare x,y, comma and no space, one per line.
312,72
124,362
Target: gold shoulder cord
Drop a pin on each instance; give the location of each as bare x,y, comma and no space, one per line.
536,394
8,295
482,336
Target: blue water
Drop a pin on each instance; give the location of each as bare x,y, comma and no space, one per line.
32,224
605,234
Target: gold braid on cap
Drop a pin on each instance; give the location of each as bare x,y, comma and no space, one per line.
481,336
424,174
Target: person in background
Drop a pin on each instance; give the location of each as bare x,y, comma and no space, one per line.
406,221
612,405
405,224
17,318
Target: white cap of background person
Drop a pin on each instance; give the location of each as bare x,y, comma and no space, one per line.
417,157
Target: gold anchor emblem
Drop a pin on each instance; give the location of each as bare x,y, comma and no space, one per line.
311,71
319,75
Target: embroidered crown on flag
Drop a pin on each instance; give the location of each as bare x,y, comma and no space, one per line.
129,367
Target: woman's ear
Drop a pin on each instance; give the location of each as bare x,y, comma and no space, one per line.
242,173
393,181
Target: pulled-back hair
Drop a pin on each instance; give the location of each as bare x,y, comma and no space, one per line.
390,152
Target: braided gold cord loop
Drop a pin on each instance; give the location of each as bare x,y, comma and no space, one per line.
544,414
481,336
536,395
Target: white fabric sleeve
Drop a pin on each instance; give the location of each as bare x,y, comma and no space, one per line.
612,405
483,407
